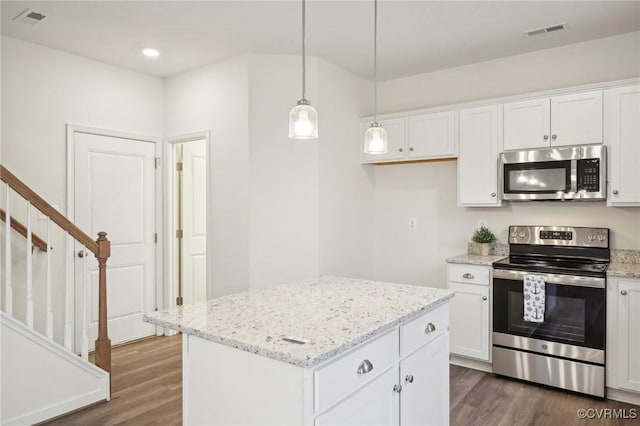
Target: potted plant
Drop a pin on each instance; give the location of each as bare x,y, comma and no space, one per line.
483,237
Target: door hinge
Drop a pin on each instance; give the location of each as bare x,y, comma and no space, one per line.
155,238
157,162
179,233
179,166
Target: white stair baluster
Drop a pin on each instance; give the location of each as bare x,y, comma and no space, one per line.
48,289
29,269
8,290
67,294
85,299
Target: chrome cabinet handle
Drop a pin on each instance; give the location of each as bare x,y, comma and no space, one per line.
430,328
623,292
411,149
408,378
468,276
554,137
615,192
397,388
400,149
546,137
484,297
365,366
493,194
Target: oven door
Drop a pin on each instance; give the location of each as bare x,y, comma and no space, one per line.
574,312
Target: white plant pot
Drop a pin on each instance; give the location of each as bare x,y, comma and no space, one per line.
484,248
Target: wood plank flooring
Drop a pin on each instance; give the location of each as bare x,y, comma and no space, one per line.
147,390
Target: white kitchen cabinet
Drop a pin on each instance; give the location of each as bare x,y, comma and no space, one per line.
423,383
479,145
396,141
622,137
431,135
470,311
416,137
623,334
571,119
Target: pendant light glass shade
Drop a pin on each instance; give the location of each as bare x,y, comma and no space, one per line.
303,121
375,139
303,118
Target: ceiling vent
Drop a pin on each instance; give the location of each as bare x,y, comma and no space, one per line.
550,29
29,17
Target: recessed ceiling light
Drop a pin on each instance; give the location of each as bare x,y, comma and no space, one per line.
150,52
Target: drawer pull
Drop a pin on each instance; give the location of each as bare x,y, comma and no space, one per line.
408,378
365,366
623,292
397,388
468,276
484,297
430,328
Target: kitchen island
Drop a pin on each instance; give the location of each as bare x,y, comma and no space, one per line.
323,351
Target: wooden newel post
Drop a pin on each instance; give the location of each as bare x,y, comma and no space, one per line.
103,343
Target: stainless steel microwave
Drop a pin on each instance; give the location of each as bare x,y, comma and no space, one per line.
563,173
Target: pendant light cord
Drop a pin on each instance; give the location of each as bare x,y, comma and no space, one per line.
304,68
375,60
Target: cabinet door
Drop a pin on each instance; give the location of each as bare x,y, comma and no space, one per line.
432,135
629,334
527,124
470,320
622,136
576,118
478,157
375,404
425,385
395,128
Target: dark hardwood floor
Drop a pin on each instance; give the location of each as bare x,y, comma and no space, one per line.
147,390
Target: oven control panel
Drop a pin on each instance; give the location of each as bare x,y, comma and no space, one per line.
559,236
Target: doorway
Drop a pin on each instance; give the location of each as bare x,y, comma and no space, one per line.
188,218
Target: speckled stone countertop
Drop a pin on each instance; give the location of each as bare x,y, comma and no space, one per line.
625,270
332,313
473,259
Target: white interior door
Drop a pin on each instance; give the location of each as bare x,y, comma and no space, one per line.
194,217
115,193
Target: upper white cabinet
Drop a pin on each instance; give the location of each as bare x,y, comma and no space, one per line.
622,137
572,119
479,145
417,137
395,128
432,135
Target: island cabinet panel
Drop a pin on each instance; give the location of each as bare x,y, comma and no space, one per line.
424,382
374,404
341,377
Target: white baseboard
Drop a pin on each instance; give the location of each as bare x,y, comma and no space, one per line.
474,364
56,409
623,396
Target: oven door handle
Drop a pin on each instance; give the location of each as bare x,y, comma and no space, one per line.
570,280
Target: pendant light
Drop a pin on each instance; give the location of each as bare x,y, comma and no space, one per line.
303,118
375,138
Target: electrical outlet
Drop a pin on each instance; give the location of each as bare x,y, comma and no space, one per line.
413,223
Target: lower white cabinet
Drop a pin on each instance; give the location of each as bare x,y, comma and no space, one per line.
470,311
398,378
623,334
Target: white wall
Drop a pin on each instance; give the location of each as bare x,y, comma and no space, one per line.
283,174
216,98
427,191
42,90
346,188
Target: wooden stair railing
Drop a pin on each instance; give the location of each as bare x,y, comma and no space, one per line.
100,247
22,230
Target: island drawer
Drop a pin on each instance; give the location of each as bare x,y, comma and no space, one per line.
336,380
468,274
423,329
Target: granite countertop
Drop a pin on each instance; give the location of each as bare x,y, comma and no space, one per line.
332,314
626,270
473,259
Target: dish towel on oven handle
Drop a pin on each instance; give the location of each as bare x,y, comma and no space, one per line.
534,298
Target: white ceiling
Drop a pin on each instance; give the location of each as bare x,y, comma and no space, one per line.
414,36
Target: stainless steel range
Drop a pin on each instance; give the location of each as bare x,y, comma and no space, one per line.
549,315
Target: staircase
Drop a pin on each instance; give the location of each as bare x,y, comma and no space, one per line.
42,375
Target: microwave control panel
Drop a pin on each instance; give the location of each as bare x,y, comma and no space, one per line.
589,175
